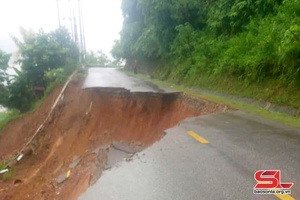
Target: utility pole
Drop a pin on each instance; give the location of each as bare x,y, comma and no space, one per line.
83,35
76,35
77,28
81,28
58,14
71,20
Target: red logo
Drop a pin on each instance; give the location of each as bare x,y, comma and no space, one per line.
270,179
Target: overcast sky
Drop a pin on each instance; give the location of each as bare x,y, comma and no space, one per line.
102,19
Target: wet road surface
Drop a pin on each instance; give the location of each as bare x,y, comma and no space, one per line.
114,78
206,157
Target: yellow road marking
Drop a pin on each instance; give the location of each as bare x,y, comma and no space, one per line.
198,137
284,197
204,141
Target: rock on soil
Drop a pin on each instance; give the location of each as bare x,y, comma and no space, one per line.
138,119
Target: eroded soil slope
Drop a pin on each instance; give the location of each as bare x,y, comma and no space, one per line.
84,125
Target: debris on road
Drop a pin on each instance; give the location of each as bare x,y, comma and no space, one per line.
123,147
114,156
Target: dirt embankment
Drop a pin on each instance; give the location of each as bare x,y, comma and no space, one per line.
83,125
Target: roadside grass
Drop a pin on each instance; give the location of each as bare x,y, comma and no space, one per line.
267,91
8,116
252,109
82,73
8,175
3,115
12,114
3,165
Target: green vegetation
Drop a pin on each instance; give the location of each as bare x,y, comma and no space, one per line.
3,165
45,59
9,115
99,59
3,115
276,116
8,175
4,77
248,48
96,58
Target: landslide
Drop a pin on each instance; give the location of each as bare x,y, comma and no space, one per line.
83,125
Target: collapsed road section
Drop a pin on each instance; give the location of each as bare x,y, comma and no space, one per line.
79,140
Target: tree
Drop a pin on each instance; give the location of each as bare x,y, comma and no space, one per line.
40,53
247,40
133,26
43,52
4,78
96,58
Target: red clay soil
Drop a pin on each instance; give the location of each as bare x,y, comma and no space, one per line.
18,131
82,122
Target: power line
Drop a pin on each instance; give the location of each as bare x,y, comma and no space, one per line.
71,20
82,29
58,14
74,10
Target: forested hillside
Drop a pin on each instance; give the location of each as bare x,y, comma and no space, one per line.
245,47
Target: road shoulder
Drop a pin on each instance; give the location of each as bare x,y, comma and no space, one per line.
255,109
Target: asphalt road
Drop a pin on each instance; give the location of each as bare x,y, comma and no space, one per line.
114,78
215,161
